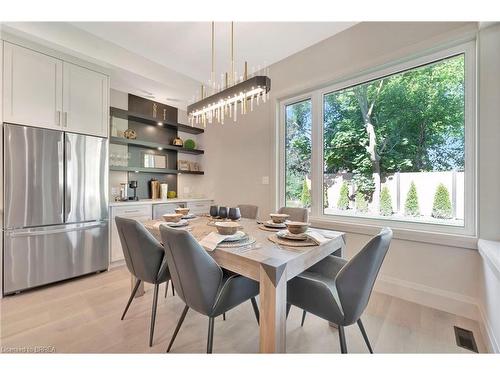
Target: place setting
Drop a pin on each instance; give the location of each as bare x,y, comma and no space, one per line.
297,234
276,224
229,234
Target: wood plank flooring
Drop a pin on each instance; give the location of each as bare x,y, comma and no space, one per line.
83,316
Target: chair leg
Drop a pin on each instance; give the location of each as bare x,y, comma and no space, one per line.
343,346
153,315
132,295
255,309
166,288
303,318
223,316
179,324
365,336
288,307
210,340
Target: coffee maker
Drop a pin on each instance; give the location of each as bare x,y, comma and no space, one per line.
133,186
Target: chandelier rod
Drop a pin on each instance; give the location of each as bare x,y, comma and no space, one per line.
213,54
232,53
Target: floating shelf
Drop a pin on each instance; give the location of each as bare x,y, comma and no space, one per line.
139,117
152,170
153,145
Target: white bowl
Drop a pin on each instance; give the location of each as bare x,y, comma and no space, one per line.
172,218
279,218
227,227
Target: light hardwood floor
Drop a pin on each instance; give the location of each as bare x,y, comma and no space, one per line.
83,316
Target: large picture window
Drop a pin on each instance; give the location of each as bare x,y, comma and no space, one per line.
396,147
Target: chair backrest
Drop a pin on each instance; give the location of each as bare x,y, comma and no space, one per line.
355,280
296,213
249,211
143,253
197,277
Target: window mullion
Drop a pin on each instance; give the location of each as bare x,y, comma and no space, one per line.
316,155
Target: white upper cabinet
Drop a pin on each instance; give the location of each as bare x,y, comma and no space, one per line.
32,88
85,101
46,92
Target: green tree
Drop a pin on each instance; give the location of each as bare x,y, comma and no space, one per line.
411,205
343,201
305,197
441,208
361,203
385,202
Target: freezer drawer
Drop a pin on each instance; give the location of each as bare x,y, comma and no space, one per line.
39,256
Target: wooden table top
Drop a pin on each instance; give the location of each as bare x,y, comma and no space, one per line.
247,259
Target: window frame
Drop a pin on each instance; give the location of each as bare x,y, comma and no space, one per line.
366,224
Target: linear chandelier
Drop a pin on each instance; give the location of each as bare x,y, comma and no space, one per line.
231,96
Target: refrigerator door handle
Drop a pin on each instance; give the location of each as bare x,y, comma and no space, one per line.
69,173
42,232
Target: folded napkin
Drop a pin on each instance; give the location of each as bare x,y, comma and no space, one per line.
316,237
210,241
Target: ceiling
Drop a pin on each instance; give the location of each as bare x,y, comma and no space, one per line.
185,47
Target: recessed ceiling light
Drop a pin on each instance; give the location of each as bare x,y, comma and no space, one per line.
160,148
160,123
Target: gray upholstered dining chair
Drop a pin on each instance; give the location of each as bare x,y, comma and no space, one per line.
145,259
339,290
296,213
201,283
249,211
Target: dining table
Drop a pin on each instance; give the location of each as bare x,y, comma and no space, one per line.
269,263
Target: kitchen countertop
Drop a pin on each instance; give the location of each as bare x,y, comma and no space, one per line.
158,201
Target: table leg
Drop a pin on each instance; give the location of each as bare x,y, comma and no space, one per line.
140,291
272,309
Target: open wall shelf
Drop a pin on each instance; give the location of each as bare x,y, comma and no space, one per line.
152,170
148,120
153,145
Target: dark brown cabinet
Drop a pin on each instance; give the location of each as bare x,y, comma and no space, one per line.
158,111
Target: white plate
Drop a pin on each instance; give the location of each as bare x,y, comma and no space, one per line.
239,235
290,236
189,216
180,223
272,224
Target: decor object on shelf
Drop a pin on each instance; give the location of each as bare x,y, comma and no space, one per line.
194,166
164,191
189,144
154,160
130,134
183,165
230,94
154,185
171,194
177,142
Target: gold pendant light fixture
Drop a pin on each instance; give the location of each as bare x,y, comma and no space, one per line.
230,96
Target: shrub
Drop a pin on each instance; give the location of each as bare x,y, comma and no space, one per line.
385,202
441,208
361,203
305,196
343,202
411,204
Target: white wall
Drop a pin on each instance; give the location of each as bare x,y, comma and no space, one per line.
240,154
489,177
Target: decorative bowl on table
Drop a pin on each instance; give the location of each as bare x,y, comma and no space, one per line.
279,218
297,227
180,223
172,218
182,210
227,228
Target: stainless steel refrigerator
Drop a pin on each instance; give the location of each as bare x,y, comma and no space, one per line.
55,206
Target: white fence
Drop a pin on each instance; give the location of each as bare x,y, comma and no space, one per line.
399,184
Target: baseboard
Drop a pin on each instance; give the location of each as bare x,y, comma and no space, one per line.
487,332
443,300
